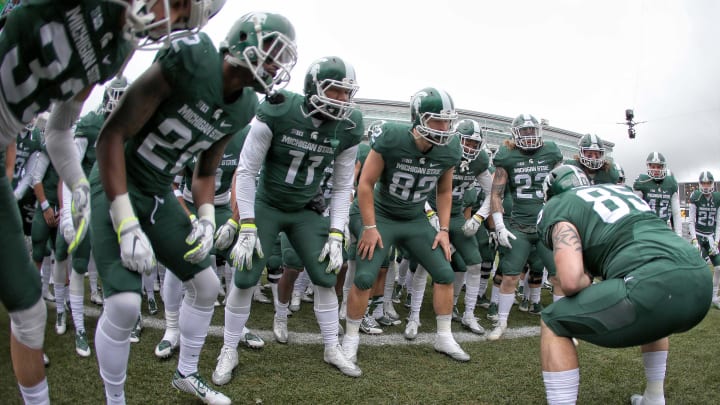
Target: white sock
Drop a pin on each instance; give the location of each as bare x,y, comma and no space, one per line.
281,310
504,306
172,328
495,294
561,387
92,276
402,269
458,282
237,312
655,364
326,312
443,324
46,272
472,286
172,292
37,394
352,327
419,282
77,291
716,283
194,323
534,294
390,281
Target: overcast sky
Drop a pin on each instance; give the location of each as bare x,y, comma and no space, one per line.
579,64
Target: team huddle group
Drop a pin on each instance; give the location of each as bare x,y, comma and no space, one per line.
188,171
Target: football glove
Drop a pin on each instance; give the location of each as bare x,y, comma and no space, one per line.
713,250
80,210
136,252
67,229
333,248
202,235
226,234
696,245
434,220
247,243
504,236
472,225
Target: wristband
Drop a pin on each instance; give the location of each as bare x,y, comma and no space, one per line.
248,225
44,205
366,227
443,229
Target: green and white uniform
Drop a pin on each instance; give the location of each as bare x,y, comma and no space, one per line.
662,196
408,178
294,150
526,172
704,214
27,143
182,126
41,233
49,51
654,283
607,174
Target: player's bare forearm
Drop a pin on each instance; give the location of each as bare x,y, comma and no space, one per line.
10,153
374,165
498,189
567,251
444,197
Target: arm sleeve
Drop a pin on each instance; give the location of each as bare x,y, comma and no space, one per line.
252,156
81,144
59,141
677,218
485,180
692,214
343,172
37,170
717,225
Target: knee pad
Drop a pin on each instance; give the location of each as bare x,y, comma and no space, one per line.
534,278
274,274
28,325
202,290
364,280
325,299
485,269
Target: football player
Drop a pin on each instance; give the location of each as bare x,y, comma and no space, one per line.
520,165
294,137
473,169
592,161
187,104
55,52
407,162
653,283
660,190
704,225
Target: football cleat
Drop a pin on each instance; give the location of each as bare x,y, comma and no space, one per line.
166,347
96,298
456,314
447,345
251,340
307,297
136,331
387,321
524,305
46,360
280,330
294,302
227,361
716,304
397,291
82,348
497,332
336,356
156,285
483,302
408,300
389,310
471,323
152,306
259,296
60,323
535,309
492,312
411,329
369,326
48,296
637,399
195,385
350,348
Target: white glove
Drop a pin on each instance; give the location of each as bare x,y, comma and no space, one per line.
247,243
226,234
472,225
493,241
80,210
434,220
696,245
136,252
202,235
67,229
713,251
504,236
333,247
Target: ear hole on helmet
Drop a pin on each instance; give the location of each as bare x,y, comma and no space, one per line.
243,36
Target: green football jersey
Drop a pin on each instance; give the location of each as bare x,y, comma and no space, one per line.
226,169
607,174
27,143
409,176
657,193
299,151
618,230
706,210
464,178
89,128
189,122
526,172
51,50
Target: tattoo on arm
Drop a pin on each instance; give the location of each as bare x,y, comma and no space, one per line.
565,236
498,190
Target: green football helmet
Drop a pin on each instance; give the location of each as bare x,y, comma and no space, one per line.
113,91
562,179
323,74
706,183
656,166
592,151
260,39
433,104
471,137
527,132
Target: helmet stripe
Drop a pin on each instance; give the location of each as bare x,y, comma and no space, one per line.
446,100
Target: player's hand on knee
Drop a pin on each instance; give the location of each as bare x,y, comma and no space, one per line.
201,237
226,234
